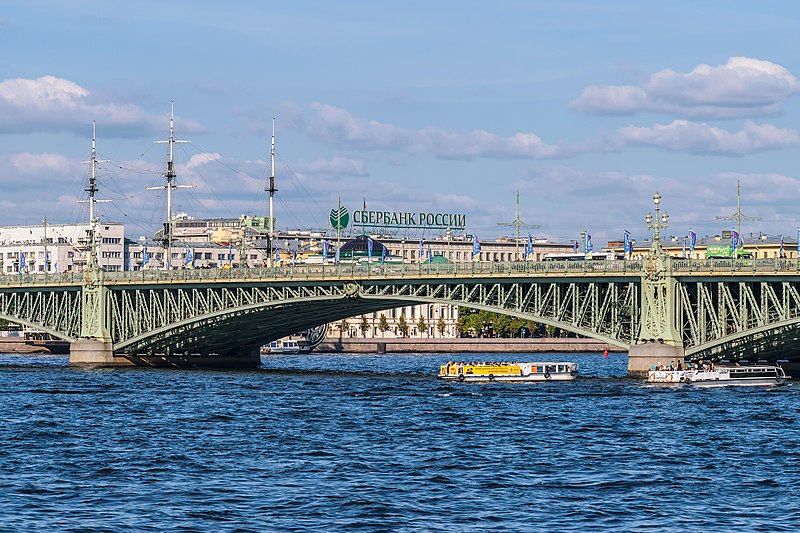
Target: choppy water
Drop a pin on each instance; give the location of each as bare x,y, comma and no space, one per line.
376,443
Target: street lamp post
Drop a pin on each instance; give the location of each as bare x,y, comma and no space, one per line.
657,224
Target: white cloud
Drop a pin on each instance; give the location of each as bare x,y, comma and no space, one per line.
49,103
742,87
338,127
341,166
682,135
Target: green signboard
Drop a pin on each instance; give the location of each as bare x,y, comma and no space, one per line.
339,217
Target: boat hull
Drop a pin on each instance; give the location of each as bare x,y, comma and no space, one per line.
670,377
740,376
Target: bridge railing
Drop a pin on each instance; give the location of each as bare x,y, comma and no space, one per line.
733,266
377,270
385,271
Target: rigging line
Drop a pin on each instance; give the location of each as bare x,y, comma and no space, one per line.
296,181
209,186
127,199
289,213
221,163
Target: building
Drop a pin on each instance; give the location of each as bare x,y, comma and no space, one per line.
56,248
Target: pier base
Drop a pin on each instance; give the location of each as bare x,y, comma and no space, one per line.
91,353
642,356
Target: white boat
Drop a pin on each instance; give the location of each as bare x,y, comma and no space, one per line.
286,346
485,372
724,376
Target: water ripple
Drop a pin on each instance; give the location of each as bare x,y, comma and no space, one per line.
375,443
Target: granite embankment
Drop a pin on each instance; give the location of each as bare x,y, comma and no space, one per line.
20,345
466,345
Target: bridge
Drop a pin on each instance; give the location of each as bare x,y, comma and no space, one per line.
659,309
656,309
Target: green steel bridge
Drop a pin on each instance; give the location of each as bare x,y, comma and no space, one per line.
656,308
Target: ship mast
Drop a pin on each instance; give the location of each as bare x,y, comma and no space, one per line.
170,175
271,190
518,223
738,216
91,188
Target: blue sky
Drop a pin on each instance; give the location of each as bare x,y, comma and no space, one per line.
586,107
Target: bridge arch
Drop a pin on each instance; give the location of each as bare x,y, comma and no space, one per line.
258,323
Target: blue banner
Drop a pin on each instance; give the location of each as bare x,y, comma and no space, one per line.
692,242
476,246
325,250
626,244
369,248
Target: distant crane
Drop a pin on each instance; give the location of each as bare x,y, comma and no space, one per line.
518,223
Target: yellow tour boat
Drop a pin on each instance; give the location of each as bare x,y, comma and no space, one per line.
485,372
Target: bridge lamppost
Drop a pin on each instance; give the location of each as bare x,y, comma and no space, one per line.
657,224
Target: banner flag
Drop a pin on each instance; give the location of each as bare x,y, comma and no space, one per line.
692,242
421,250
325,250
369,248
780,252
626,244
430,254
476,246
734,242
530,246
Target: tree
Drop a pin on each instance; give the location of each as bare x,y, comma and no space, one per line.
383,325
402,326
364,326
343,325
441,326
422,325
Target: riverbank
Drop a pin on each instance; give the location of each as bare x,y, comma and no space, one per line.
21,346
465,345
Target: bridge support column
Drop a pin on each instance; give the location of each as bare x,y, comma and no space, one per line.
91,353
658,340
642,356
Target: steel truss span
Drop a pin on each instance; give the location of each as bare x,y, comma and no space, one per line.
738,318
733,308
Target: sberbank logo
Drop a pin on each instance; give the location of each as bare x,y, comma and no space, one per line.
340,217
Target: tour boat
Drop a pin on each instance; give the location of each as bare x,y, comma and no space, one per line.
285,346
724,376
485,372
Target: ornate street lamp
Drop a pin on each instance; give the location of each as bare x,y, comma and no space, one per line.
657,223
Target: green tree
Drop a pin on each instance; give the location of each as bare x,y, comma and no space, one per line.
441,326
501,324
343,326
422,325
402,326
383,325
364,326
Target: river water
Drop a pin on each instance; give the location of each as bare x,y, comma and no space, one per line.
376,443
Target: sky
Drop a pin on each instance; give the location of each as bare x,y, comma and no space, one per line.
586,108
